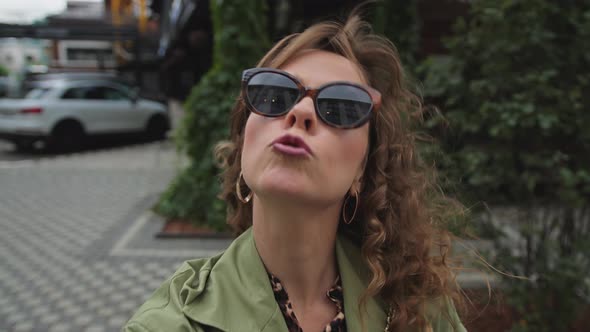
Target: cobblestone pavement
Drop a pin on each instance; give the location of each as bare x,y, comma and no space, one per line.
77,251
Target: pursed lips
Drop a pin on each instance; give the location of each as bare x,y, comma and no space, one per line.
291,145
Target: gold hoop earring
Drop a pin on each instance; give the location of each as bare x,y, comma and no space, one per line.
239,191
356,205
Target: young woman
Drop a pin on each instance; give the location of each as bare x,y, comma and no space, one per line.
336,216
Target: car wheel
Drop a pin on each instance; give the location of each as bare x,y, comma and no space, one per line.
157,128
67,137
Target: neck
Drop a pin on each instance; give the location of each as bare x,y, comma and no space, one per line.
297,245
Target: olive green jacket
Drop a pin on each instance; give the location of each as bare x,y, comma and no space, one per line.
231,292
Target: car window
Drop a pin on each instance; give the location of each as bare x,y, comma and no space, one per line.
74,93
114,94
95,93
37,93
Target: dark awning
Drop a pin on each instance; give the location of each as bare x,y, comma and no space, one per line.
105,32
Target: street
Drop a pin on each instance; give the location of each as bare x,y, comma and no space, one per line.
8,152
77,246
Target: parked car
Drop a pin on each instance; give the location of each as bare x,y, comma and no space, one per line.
63,112
34,80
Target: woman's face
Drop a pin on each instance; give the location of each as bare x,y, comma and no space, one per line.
335,159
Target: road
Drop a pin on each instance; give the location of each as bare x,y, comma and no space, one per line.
8,153
77,246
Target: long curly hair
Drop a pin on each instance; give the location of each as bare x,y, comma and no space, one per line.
401,212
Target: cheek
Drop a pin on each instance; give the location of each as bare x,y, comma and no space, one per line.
253,142
352,149
347,155
249,137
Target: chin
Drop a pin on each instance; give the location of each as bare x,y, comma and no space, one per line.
290,187
282,187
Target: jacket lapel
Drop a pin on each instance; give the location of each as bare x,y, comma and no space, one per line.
354,280
237,295
234,293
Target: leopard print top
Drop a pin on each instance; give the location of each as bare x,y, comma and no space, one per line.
338,323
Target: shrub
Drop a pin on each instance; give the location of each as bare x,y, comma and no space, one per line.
515,93
4,71
240,39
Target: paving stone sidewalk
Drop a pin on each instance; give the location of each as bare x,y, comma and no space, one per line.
77,251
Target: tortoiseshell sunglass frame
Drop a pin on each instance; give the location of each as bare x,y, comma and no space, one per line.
313,93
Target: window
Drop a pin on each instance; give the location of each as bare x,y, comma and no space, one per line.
114,94
92,54
95,93
36,93
74,93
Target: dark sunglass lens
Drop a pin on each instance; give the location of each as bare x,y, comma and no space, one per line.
271,93
344,105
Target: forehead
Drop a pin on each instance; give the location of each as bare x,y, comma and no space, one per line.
315,67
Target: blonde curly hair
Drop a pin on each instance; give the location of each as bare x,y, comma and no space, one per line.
401,213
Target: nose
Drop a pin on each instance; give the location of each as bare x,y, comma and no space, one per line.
302,115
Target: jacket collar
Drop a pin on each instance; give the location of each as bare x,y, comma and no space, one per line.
354,276
236,294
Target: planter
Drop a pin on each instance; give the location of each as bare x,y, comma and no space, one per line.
179,228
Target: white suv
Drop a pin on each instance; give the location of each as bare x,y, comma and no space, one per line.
62,113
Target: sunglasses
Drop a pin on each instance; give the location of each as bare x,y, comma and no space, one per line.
273,93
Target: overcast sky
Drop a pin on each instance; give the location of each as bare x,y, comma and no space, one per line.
26,11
